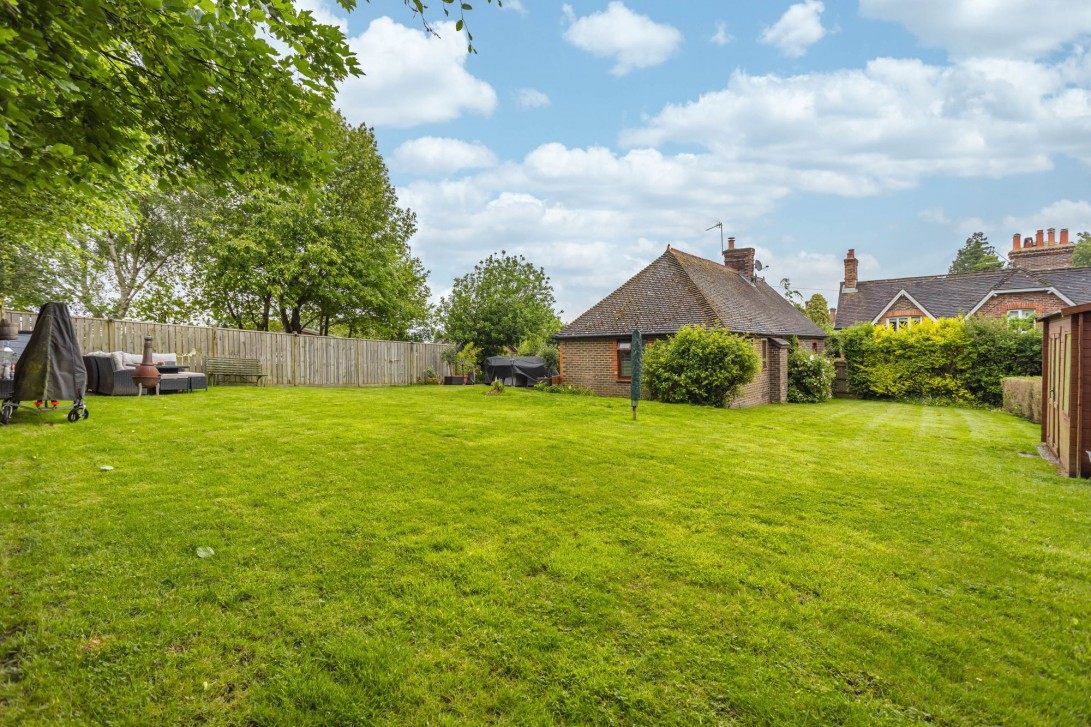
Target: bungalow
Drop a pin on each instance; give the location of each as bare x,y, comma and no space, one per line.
680,289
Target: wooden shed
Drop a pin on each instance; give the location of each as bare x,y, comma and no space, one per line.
1066,387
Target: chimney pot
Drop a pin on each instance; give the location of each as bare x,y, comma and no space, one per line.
1040,238
1052,239
1064,235
1016,241
731,243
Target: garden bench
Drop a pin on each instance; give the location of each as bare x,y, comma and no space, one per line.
223,366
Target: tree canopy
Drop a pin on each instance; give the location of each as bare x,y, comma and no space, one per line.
339,257
1081,255
503,301
976,256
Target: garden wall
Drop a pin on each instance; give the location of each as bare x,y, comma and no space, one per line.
287,359
1023,397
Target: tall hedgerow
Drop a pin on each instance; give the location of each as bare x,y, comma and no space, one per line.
949,360
699,365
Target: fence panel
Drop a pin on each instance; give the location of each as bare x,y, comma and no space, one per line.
287,359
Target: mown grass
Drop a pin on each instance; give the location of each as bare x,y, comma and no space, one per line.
432,555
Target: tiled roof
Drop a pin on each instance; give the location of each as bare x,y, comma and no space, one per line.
946,296
679,289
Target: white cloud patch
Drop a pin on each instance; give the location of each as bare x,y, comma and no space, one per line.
797,30
1072,214
887,126
412,78
632,41
993,28
437,156
515,5
721,36
531,98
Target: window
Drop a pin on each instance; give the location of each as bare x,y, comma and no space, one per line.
1022,313
898,322
764,353
624,360
814,346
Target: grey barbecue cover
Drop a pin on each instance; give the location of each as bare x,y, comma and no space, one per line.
51,366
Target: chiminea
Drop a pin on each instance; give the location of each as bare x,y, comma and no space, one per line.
146,374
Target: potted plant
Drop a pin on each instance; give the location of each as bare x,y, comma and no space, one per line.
467,362
450,357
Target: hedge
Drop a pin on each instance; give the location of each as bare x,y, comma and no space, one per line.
1023,397
949,360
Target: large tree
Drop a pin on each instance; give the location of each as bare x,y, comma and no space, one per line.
503,301
976,256
818,310
1081,255
335,258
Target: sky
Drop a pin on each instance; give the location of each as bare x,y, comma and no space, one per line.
587,136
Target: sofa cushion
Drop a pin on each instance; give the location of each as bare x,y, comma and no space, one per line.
167,359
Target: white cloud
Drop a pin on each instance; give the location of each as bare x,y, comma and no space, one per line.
935,215
721,36
631,40
412,78
1072,214
515,5
432,155
531,98
797,30
997,28
887,126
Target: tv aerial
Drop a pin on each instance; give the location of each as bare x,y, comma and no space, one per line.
721,226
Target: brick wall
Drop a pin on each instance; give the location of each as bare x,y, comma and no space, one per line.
593,363
1037,258
998,306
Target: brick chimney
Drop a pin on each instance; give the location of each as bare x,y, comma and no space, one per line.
740,259
851,267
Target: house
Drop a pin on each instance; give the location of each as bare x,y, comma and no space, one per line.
680,289
1024,290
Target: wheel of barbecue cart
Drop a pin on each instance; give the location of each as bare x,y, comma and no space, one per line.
86,413
5,414
74,415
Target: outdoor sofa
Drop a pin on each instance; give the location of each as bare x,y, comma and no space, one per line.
111,374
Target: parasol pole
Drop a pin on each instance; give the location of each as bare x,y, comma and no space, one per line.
635,354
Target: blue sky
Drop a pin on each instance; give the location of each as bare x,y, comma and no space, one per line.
588,136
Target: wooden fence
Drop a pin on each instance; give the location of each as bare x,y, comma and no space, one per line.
287,359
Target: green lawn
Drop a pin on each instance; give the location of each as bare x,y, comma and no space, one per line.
433,555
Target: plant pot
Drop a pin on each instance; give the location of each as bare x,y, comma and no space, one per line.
454,380
556,380
9,331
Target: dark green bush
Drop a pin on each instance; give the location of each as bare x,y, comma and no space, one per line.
810,377
946,361
698,365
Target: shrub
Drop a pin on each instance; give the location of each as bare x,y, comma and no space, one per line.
699,365
944,361
1023,397
810,377
550,355
429,376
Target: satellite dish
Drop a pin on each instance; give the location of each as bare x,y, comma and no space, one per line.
758,266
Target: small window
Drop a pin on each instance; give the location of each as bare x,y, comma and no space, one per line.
1019,313
899,322
764,353
624,359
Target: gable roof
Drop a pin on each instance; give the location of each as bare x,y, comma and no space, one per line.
946,296
679,289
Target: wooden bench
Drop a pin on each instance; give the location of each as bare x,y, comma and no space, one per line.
223,366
